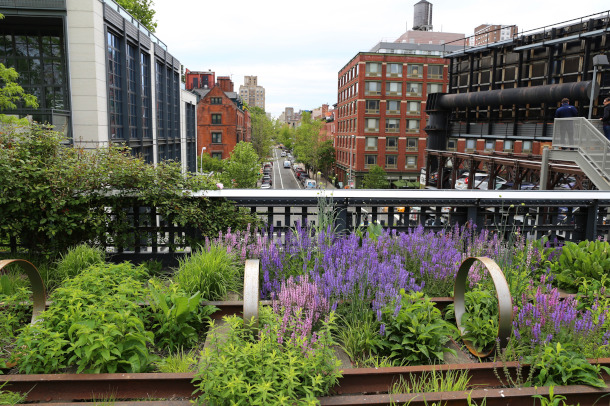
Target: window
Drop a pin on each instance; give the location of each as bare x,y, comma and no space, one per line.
414,89
411,144
451,144
393,89
527,147
216,100
392,125
490,145
411,162
412,126
413,107
370,160
146,99
372,88
372,106
391,144
216,118
217,155
434,88
392,107
435,71
508,145
471,145
394,70
132,108
371,143
115,88
160,102
373,69
415,71
391,161
372,124
216,138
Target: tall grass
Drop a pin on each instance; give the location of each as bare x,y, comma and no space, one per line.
74,262
212,271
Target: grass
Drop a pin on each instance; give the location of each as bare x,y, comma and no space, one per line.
178,362
213,273
74,262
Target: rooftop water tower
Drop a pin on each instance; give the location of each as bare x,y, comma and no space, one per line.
422,18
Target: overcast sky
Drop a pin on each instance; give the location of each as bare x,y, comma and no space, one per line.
297,48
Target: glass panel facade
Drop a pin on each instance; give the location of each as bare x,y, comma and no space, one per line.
115,88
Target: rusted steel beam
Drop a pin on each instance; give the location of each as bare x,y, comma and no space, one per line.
125,403
581,394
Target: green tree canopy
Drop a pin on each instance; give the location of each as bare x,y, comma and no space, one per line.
308,140
142,10
12,94
243,167
376,178
286,136
263,132
208,164
326,156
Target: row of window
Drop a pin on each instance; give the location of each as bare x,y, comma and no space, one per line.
374,69
392,107
349,75
392,89
392,125
371,143
391,160
507,145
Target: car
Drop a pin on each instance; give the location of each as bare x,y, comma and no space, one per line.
462,182
484,185
266,186
283,153
287,164
267,179
309,184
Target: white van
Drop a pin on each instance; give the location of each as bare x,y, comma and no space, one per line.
310,184
287,164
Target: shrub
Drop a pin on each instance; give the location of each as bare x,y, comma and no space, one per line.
583,261
241,369
75,261
414,331
213,272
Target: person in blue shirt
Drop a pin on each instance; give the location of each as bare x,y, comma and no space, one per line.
567,129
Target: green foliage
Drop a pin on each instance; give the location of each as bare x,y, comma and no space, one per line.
12,95
373,230
417,334
212,272
178,362
326,156
242,169
559,366
53,197
583,261
240,369
94,323
74,262
208,164
263,131
308,140
9,398
433,381
552,400
359,337
178,320
142,11
480,321
15,312
286,136
375,178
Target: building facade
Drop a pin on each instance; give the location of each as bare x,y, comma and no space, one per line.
222,121
380,115
251,93
99,76
489,33
199,79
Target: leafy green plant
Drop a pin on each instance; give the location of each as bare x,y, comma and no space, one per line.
238,368
359,337
552,400
582,261
9,398
416,333
433,381
177,362
95,323
178,320
559,366
75,261
213,272
373,230
480,321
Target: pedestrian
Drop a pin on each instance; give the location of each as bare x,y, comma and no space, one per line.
606,118
566,129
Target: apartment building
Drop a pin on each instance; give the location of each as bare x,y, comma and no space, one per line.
251,93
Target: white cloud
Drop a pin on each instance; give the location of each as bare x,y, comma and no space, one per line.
297,50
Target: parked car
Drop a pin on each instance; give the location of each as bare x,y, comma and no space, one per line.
283,153
287,164
462,182
309,184
266,185
484,185
267,179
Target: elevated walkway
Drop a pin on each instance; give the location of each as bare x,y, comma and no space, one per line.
581,141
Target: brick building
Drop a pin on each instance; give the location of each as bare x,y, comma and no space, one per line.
199,80
222,121
490,33
380,115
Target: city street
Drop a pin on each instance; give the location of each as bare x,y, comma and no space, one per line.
283,178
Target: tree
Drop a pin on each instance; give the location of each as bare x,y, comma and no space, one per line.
263,132
286,136
12,94
209,164
142,11
326,156
242,168
308,140
376,178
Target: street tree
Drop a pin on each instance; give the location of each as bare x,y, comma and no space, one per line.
12,94
286,136
376,178
242,168
209,164
263,132
308,140
142,10
326,156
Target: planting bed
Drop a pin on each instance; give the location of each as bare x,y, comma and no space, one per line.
383,298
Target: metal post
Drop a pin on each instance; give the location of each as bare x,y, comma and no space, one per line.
544,169
592,97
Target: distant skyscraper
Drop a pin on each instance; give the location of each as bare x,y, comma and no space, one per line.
422,18
251,93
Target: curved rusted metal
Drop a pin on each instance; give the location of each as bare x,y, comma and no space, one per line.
38,289
505,302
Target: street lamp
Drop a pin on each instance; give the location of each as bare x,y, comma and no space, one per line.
598,61
201,167
352,146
